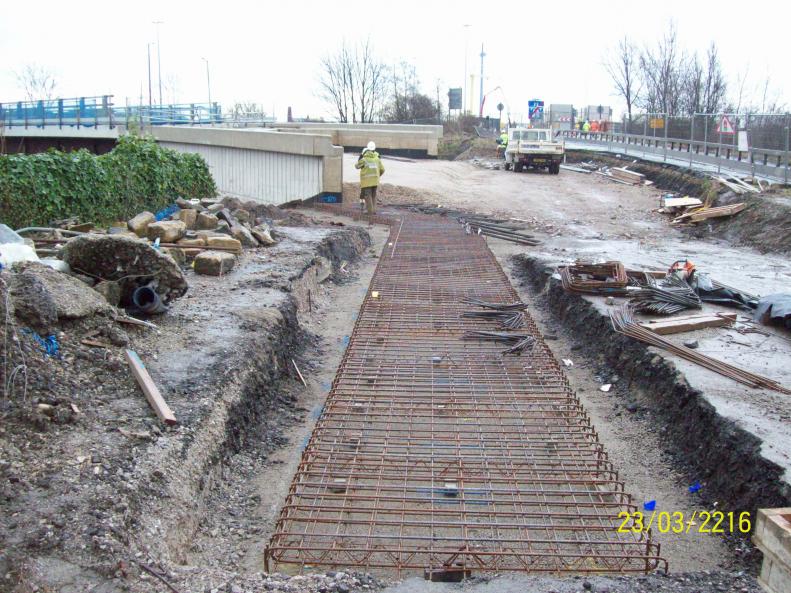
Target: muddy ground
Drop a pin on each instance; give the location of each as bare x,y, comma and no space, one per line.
97,493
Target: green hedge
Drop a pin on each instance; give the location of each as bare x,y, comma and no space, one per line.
136,175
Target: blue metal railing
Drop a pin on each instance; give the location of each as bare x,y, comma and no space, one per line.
99,111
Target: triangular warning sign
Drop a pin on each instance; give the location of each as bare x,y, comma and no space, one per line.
725,126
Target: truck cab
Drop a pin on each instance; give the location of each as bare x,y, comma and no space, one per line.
533,147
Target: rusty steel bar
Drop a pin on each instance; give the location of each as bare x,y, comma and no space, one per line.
437,453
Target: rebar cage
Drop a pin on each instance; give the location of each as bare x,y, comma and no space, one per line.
436,453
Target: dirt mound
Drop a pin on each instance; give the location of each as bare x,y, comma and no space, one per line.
392,195
764,225
267,212
130,262
478,148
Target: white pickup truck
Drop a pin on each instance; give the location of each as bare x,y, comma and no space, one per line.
529,147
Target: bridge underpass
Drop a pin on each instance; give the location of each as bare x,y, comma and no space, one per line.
443,454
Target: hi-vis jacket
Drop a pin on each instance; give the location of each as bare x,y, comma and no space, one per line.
371,168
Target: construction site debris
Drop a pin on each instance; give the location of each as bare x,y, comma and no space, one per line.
575,169
110,290
517,341
188,216
139,224
149,388
41,297
623,322
665,297
167,231
736,184
130,262
263,234
689,322
206,221
498,229
701,214
625,174
774,308
673,203
224,242
586,277
214,263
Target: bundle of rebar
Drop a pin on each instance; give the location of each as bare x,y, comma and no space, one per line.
515,306
667,297
623,322
517,340
498,231
507,319
608,277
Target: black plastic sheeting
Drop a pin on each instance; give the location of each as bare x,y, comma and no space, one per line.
774,308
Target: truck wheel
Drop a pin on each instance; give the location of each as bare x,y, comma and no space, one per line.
518,167
508,166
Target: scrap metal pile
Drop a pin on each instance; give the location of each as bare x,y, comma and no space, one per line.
623,322
667,296
590,278
499,229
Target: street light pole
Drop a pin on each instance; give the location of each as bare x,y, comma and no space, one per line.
159,62
148,49
466,52
208,81
480,108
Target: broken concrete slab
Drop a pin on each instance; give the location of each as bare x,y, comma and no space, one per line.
130,262
206,221
139,224
167,231
42,297
214,263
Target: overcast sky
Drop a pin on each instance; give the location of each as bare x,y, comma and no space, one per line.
268,52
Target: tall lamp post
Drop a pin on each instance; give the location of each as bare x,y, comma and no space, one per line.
464,80
159,61
208,81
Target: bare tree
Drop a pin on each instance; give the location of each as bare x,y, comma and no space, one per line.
622,66
703,85
37,82
353,80
661,72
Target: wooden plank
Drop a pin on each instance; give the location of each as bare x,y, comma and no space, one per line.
149,388
704,213
689,323
717,212
679,202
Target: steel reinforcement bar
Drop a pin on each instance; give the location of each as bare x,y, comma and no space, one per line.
437,453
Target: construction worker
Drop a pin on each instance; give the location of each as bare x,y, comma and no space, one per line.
595,126
371,169
502,143
586,127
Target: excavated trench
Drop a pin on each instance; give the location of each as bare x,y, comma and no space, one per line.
710,447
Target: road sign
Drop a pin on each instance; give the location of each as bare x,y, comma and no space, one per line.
454,98
725,126
656,123
536,109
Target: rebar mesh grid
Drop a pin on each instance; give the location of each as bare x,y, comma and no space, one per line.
440,454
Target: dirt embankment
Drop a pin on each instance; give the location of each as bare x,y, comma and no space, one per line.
712,449
764,225
94,487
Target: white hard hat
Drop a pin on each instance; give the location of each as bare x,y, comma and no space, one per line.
371,146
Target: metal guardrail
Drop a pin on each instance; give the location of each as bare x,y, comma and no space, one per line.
761,161
99,111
